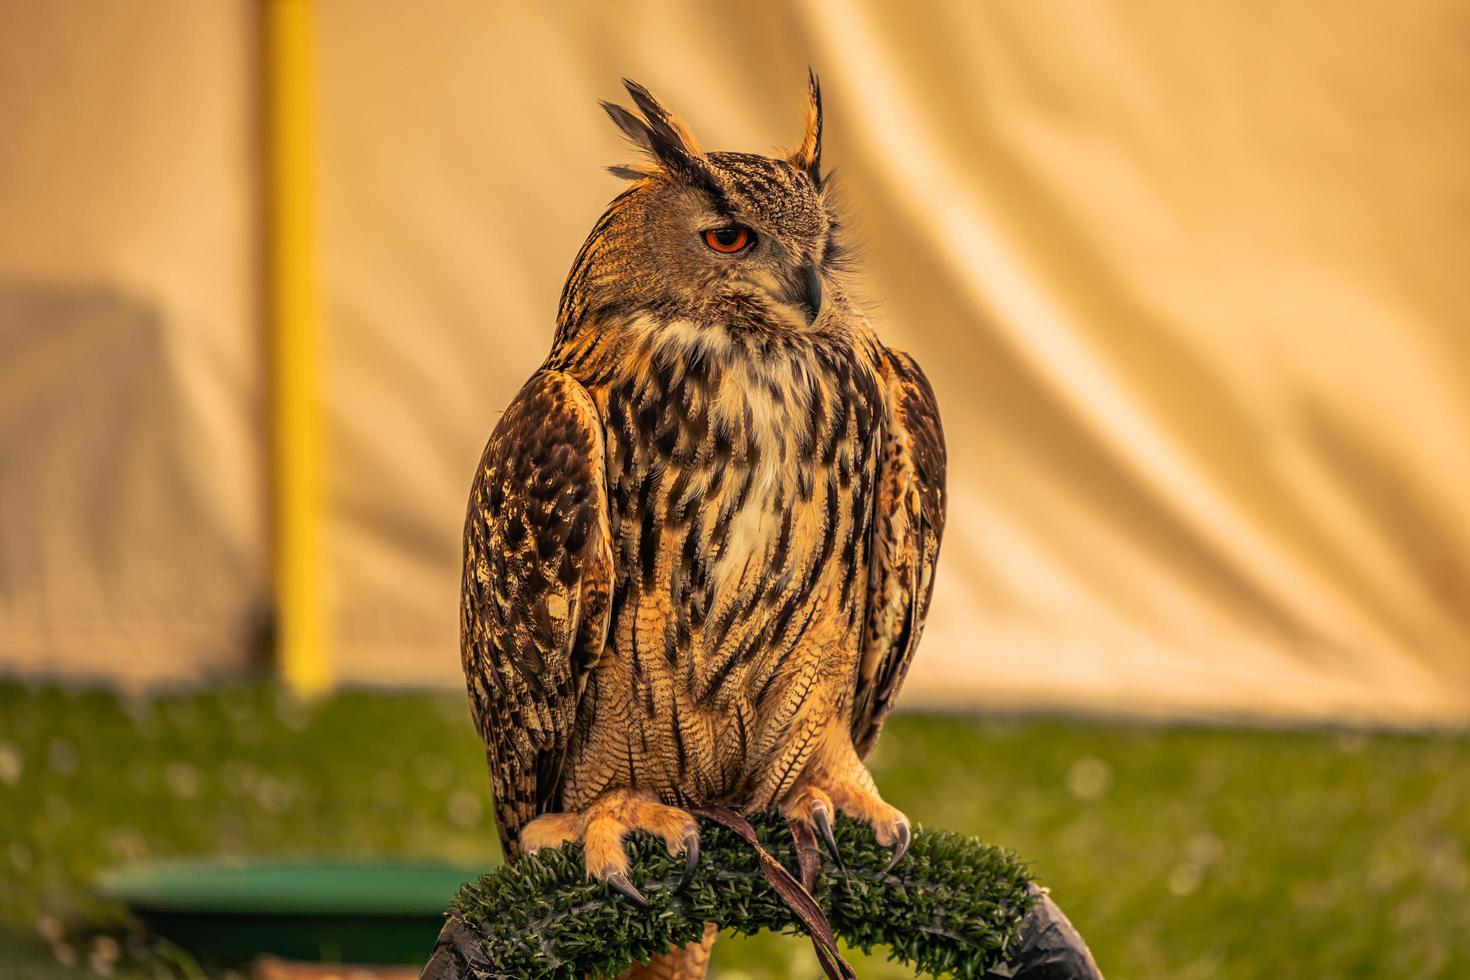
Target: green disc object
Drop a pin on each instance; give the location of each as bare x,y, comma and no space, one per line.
330,911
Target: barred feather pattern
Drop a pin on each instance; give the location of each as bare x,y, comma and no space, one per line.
536,590
741,466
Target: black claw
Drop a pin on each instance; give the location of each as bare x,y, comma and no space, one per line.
620,884
824,825
904,838
691,860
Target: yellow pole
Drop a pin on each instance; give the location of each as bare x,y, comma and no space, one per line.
296,422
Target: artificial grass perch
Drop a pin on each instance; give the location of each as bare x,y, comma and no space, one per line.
953,906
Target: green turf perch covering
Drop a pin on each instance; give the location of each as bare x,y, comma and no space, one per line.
953,906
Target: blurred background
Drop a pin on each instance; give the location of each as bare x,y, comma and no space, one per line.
1191,286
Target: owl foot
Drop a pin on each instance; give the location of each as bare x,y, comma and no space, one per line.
601,828
822,793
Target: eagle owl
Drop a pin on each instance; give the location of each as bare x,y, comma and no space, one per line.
701,540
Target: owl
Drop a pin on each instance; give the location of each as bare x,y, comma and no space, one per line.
701,540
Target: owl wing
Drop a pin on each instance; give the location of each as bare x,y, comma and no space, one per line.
908,521
534,600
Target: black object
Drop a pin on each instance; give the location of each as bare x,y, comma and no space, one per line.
459,955
1051,948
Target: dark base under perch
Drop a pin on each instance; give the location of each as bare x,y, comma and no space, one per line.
953,905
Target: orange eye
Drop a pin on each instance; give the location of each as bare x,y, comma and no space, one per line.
729,240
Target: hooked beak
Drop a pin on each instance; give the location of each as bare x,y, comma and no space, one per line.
811,291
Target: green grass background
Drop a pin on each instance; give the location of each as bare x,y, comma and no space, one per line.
1179,852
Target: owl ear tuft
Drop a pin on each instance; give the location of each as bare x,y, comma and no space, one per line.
808,156
633,127
671,140
665,137
628,173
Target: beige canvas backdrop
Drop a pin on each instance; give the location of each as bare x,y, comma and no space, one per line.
132,516
1190,285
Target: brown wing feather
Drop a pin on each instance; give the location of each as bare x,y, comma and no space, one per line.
908,521
534,599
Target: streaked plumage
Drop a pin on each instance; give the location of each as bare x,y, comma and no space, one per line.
701,540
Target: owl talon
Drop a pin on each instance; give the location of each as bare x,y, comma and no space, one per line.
691,861
619,883
824,826
905,837
602,829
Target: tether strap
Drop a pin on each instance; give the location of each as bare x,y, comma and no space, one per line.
791,891
808,860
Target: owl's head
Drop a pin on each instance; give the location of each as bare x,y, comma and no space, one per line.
711,235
